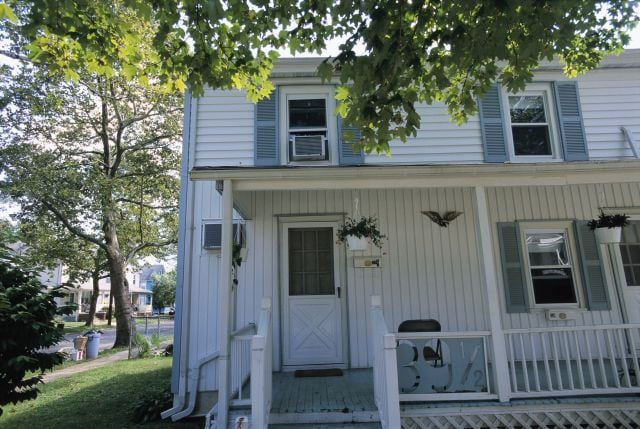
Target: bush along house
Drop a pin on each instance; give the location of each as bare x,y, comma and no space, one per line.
483,299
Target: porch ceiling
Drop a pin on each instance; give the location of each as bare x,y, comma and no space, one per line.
422,176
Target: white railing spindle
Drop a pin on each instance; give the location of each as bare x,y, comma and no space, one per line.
385,373
570,356
261,367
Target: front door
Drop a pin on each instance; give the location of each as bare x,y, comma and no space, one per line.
629,265
312,310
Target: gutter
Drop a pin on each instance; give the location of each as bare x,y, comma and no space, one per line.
179,371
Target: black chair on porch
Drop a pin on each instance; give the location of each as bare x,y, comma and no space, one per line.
425,325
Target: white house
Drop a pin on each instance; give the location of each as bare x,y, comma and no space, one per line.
539,322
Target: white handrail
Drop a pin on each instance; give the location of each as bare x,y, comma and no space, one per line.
385,373
261,367
240,362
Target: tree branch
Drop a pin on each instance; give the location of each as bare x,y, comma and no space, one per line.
143,246
72,229
149,206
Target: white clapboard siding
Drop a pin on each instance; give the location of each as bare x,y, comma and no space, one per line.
428,271
438,140
223,129
610,99
553,203
415,281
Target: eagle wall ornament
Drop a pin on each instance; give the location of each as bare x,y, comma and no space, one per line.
443,220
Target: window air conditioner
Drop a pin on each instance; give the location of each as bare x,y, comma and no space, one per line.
307,148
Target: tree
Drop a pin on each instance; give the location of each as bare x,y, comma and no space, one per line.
164,289
96,156
27,324
418,51
49,243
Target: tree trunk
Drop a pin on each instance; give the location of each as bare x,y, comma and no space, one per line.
119,288
95,279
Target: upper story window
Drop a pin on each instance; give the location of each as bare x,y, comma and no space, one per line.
306,115
533,132
550,269
541,123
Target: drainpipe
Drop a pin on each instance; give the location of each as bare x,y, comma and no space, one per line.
195,377
182,314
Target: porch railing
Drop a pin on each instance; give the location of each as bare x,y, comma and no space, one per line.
444,366
580,360
261,366
241,363
385,375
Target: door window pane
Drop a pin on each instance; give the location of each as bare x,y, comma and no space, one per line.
630,251
311,262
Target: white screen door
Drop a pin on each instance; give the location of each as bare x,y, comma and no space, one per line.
312,316
629,262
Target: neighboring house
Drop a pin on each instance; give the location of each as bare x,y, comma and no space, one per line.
140,289
536,316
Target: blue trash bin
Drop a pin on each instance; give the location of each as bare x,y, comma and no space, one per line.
93,345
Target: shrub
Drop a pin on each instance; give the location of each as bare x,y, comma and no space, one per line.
27,324
149,409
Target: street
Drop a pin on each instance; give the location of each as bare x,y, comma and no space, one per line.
109,333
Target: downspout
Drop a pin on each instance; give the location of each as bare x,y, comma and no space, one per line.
192,398
179,373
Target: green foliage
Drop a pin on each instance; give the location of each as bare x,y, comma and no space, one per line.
149,408
164,289
421,51
27,313
146,344
366,227
609,221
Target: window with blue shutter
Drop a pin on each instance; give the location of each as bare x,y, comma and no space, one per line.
540,266
574,144
347,136
541,123
267,147
492,125
595,286
517,297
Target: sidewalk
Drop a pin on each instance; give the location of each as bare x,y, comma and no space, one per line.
85,366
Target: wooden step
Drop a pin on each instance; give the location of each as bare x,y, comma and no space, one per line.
329,426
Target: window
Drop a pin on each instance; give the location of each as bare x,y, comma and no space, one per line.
630,252
550,269
309,123
531,122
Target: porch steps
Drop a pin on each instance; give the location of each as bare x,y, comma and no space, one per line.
329,426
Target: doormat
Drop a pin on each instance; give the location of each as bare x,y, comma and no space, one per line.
329,372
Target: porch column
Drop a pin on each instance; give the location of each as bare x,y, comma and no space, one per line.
487,265
224,303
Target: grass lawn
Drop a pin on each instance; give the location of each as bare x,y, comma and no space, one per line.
100,398
80,328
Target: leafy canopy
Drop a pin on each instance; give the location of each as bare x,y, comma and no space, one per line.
164,289
414,51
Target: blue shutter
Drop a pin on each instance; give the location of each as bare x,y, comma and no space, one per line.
512,272
574,143
593,278
345,148
267,147
492,124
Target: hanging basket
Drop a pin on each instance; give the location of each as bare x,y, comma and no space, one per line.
356,243
609,235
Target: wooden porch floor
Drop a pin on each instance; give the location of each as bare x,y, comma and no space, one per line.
351,392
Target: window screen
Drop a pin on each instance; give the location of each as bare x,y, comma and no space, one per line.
630,251
311,261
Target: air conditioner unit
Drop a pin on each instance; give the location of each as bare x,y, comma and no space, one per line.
308,148
212,235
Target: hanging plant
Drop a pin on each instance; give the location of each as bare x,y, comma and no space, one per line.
608,227
364,228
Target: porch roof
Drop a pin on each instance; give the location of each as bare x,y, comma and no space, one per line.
421,176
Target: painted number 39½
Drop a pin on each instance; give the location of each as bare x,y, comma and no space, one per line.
440,367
